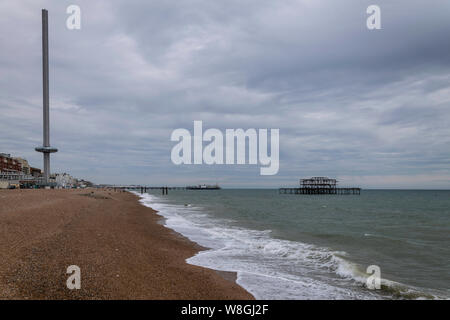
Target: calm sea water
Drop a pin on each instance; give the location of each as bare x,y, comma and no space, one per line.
318,247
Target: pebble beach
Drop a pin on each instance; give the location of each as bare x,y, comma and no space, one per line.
121,247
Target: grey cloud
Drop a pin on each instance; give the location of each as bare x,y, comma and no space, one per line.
349,102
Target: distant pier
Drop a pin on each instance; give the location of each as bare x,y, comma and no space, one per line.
141,189
320,185
164,189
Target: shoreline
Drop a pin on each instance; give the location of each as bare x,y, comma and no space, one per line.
227,275
230,276
122,249
235,245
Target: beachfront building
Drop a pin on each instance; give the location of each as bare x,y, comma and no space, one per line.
63,180
35,172
10,171
9,184
26,168
81,183
10,179
9,164
4,184
16,172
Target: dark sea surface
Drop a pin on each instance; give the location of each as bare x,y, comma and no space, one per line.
318,246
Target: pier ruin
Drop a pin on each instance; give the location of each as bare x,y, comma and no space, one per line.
320,185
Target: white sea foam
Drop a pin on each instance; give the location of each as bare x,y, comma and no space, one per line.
268,268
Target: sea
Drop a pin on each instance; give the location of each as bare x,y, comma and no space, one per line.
318,246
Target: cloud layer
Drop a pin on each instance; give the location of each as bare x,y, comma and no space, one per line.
371,108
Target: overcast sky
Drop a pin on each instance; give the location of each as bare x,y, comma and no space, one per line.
369,107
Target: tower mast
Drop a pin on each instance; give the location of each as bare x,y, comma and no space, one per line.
45,149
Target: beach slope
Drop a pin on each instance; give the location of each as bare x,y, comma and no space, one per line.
121,247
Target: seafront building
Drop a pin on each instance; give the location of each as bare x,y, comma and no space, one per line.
26,168
16,172
10,171
63,180
7,163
